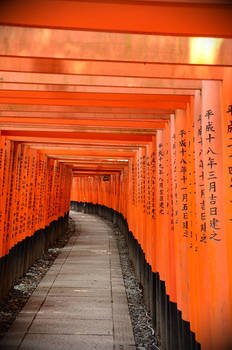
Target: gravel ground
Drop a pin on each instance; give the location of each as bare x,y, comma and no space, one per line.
140,318
24,287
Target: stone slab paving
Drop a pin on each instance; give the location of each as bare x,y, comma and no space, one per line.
81,302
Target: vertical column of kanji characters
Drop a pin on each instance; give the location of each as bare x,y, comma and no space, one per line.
130,206
141,223
135,190
162,139
176,207
12,202
24,191
37,190
49,198
143,198
182,234
199,237
66,189
53,193
148,176
34,189
190,158
58,175
201,232
31,191
61,190
210,173
56,183
27,164
153,202
160,172
148,204
7,235
20,196
44,193
160,202
5,174
54,189
16,193
173,208
183,181
192,243
138,211
229,152
169,219
166,233
133,202
41,188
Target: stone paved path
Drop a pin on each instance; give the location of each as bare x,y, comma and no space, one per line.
81,302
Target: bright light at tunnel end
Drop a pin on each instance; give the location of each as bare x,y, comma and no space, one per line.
204,50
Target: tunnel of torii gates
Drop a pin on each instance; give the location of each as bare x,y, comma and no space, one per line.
125,105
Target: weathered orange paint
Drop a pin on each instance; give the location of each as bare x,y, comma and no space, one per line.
58,80
98,68
87,45
134,17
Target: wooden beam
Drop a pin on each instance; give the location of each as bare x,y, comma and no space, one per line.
73,81
71,137
123,16
93,89
114,69
102,46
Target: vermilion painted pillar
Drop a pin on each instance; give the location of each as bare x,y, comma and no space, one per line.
218,327
227,167
182,214
199,219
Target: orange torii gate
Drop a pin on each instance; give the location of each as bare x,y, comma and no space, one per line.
127,106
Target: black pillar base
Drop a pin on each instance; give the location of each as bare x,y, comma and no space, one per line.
15,264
